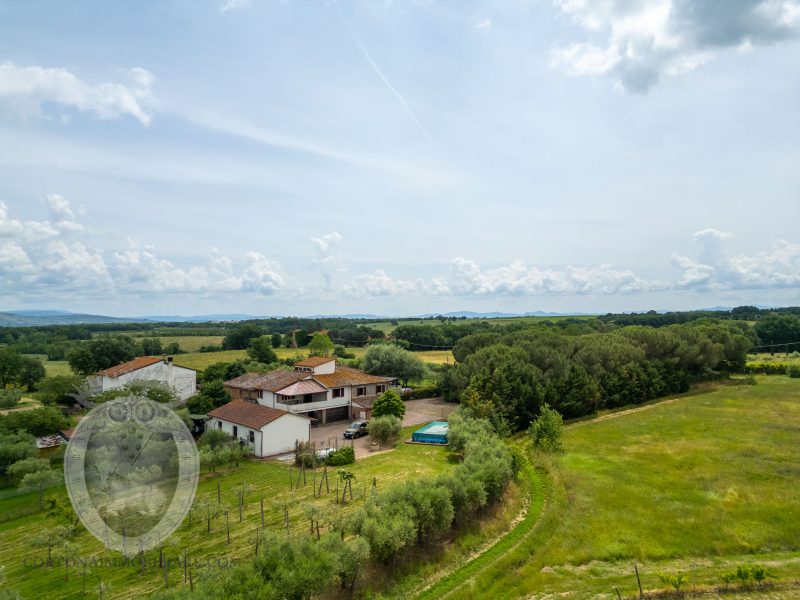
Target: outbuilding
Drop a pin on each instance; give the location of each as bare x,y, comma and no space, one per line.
266,431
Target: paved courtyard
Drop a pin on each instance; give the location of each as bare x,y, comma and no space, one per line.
417,412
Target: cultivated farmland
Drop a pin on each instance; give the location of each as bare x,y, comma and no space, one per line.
267,479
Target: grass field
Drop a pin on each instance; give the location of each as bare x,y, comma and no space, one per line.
201,360
388,326
267,479
793,358
697,484
191,343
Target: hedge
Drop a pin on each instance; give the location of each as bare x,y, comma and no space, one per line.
768,368
425,391
343,456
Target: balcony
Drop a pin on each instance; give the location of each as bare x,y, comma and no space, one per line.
316,402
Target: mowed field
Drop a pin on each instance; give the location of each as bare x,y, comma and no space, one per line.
201,360
269,480
389,326
696,484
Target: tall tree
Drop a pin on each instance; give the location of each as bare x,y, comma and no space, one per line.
320,345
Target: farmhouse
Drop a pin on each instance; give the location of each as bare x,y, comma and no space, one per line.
317,387
147,368
265,431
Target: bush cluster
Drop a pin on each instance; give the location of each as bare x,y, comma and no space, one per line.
421,509
343,456
423,391
768,368
9,398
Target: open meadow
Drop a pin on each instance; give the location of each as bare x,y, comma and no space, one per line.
696,484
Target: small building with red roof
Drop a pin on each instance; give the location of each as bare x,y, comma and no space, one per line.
182,380
266,431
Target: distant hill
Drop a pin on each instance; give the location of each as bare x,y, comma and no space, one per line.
202,318
31,318
500,315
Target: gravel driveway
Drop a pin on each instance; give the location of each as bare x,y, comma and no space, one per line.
418,412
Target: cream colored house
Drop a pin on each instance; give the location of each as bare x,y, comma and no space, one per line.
317,387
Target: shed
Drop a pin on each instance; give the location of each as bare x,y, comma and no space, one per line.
432,433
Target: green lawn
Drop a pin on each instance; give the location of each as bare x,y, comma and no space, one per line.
191,343
697,484
267,479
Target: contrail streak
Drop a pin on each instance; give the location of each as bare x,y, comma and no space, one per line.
389,85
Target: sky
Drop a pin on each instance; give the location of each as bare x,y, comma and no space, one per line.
399,157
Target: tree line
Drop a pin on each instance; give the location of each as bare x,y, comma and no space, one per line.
509,377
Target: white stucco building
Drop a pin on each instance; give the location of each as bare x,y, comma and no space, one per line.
317,387
147,368
265,431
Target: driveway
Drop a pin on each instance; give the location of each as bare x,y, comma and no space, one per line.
418,412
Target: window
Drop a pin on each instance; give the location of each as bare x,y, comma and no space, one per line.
338,392
252,437
235,431
379,389
219,424
362,391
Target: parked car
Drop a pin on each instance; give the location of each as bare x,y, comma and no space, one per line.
325,453
356,430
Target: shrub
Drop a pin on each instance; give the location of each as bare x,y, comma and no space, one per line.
546,430
9,398
676,580
389,403
341,352
793,371
385,429
304,455
343,456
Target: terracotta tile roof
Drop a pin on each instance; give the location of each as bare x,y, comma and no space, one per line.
305,386
314,361
271,381
131,365
248,414
346,376
364,401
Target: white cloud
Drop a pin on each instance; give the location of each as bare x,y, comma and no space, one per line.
46,257
778,267
57,256
648,39
376,283
234,5
484,25
324,244
262,275
24,91
14,261
517,278
328,264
